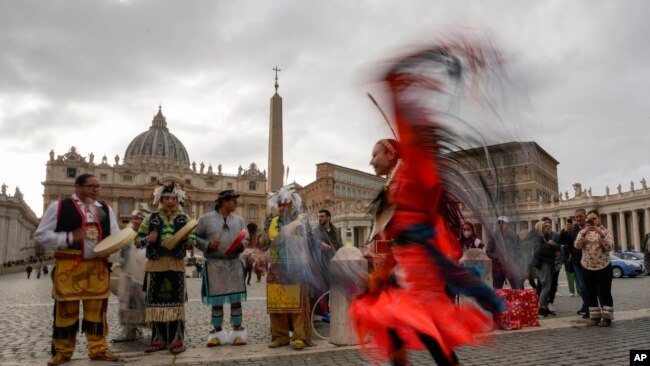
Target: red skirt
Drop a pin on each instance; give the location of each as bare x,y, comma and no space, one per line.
419,305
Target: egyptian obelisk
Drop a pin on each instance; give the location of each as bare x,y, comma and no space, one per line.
276,165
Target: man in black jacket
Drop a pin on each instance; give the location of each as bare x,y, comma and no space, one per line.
330,240
503,249
568,237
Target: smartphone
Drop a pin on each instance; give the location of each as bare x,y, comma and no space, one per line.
569,221
590,222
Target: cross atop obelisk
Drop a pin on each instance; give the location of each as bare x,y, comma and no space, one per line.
276,78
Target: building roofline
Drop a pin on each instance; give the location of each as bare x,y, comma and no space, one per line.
505,145
369,175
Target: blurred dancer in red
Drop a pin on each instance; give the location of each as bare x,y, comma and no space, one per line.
410,299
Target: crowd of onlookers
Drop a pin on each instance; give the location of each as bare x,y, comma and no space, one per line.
22,262
538,254
38,264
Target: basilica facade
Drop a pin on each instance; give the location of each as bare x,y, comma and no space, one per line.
154,156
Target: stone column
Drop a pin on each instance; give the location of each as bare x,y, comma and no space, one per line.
530,225
610,224
646,221
622,231
4,242
636,240
12,239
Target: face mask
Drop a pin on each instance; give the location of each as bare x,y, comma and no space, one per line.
467,234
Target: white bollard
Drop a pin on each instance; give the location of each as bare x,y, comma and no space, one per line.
478,257
347,260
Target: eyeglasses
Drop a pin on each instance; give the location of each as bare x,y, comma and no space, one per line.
91,186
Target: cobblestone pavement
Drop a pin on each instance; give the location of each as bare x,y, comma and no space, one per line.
26,328
26,308
578,345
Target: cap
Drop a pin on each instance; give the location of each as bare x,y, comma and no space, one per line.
504,219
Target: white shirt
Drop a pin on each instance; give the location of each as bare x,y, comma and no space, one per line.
46,236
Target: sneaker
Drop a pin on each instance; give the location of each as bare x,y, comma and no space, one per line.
585,316
581,312
106,356
58,359
572,295
298,344
605,322
155,346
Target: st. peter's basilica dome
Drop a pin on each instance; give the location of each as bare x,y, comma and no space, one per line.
157,144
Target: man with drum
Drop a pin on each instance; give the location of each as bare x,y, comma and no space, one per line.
72,227
221,235
165,234
129,291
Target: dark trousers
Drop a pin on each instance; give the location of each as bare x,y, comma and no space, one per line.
500,274
431,344
248,272
599,286
554,282
579,272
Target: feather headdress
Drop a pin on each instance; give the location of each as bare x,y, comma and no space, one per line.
170,189
286,194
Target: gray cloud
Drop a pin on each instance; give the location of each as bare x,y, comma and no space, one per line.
71,70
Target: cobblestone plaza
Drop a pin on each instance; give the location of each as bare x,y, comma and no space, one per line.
26,310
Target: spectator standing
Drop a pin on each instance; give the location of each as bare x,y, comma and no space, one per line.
596,242
574,288
526,259
468,238
29,270
546,252
503,249
554,237
330,240
568,237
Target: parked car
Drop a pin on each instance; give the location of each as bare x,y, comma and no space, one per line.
629,255
625,267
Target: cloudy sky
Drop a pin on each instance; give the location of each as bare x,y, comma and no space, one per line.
92,74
